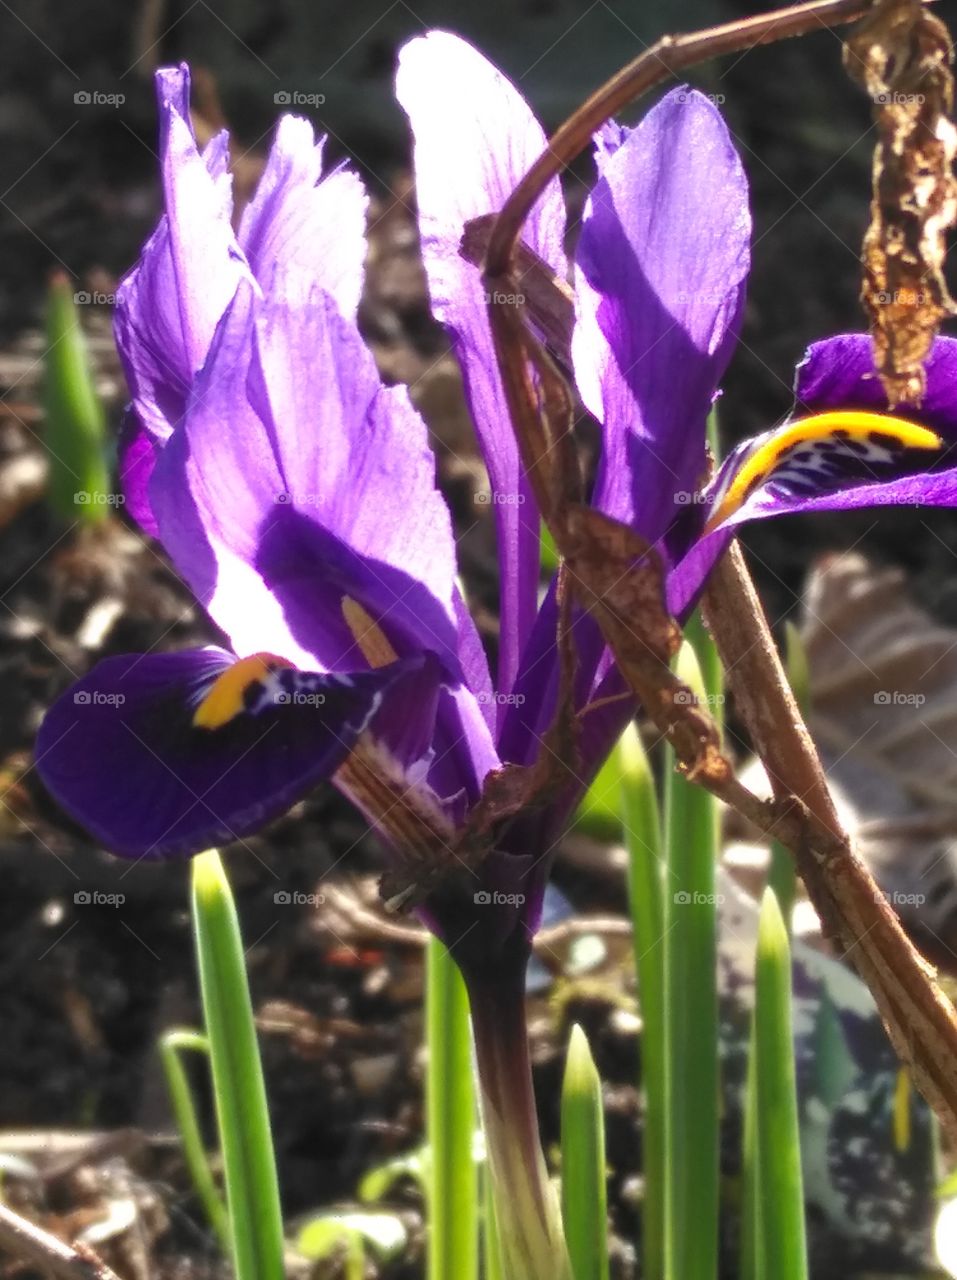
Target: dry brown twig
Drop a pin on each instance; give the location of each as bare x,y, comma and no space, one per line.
49,1254
616,577
902,55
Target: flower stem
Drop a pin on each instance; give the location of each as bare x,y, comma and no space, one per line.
527,1216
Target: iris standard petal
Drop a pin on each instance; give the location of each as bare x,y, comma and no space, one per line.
662,263
304,230
474,139
168,307
321,488
164,755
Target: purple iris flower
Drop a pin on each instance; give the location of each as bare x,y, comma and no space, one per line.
296,494
659,283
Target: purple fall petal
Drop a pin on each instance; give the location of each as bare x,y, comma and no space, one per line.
839,373
688,577
121,754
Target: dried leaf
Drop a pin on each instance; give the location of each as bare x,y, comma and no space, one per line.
902,55
884,714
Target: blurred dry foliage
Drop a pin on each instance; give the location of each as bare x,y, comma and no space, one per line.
883,680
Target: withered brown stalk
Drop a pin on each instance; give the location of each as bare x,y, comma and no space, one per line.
618,578
919,1018
665,58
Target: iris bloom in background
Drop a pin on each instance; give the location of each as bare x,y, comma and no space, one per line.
296,496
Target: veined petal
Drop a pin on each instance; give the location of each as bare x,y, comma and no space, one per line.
662,263
833,461
474,139
168,307
165,755
813,457
303,231
322,488
839,373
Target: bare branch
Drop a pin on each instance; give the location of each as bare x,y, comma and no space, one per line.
24,1239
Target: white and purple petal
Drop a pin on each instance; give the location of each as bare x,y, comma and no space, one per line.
321,487
475,137
303,230
168,306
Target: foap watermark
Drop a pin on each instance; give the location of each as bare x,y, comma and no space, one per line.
693,498
493,898
688,95
898,698
685,899
903,297
501,699
488,498
94,298
688,698
287,499
890,99
499,299
300,698
294,898
898,899
94,898
296,98
707,297
84,498
97,98
96,698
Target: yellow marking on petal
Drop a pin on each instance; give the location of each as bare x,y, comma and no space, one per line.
226,699
368,635
858,425
902,1091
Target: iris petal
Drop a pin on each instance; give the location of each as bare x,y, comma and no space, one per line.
323,486
123,753
303,229
839,373
809,457
662,261
881,462
475,137
168,307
